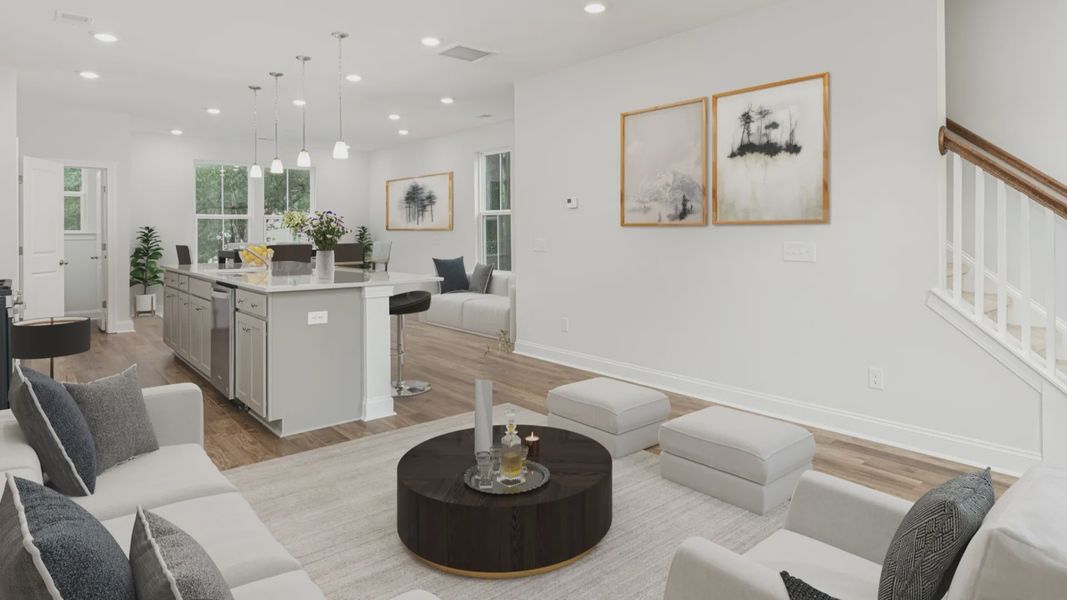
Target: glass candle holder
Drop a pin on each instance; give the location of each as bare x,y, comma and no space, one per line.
485,469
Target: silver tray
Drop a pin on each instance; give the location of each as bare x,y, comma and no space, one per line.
536,476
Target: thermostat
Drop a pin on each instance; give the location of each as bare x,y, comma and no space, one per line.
571,203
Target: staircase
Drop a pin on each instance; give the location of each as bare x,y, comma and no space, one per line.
999,221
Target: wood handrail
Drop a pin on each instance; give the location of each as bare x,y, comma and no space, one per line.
1013,171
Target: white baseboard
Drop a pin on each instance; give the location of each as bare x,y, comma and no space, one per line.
92,314
121,327
378,408
970,451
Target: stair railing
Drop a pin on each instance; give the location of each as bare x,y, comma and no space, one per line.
1032,329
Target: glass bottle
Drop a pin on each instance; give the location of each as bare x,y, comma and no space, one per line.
511,455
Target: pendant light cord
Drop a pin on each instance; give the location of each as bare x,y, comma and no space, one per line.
255,125
304,108
340,77
276,76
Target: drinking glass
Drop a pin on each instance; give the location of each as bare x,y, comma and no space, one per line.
525,453
494,454
485,469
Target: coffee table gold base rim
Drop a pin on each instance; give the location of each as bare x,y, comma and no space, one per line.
503,574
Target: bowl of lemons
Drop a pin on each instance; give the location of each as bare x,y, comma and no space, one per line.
256,255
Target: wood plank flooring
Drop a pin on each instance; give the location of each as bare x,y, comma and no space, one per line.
451,361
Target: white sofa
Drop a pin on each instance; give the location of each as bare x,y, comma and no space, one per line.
484,314
180,483
837,533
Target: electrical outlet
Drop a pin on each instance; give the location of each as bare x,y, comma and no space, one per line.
565,324
319,317
875,378
798,251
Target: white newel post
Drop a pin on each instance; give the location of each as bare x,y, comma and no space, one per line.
377,385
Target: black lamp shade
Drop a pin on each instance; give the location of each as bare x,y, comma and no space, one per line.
48,338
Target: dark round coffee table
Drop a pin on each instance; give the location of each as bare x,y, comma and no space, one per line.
466,532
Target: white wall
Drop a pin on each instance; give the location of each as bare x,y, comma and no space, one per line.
412,251
714,311
9,194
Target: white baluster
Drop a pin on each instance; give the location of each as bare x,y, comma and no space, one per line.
957,228
1002,258
1024,278
1050,291
942,236
979,243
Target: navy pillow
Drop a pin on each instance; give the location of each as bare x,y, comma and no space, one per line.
454,274
57,430
79,556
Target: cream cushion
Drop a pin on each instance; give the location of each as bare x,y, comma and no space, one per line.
749,446
830,570
609,405
1020,551
294,585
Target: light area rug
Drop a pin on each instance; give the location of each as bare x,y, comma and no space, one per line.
334,509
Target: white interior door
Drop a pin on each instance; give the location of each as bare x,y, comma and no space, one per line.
101,247
42,238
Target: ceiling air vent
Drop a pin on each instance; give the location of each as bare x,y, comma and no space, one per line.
465,53
73,18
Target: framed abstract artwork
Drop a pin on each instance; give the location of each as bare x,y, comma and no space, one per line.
664,165
771,153
422,203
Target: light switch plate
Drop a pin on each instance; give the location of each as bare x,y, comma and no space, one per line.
798,251
318,317
540,245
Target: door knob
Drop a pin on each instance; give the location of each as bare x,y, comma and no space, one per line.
63,262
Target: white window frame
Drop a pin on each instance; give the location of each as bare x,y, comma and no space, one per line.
479,208
80,195
263,198
194,247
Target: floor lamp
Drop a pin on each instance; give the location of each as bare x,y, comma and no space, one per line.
49,338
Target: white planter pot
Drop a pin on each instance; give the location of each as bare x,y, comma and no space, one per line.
145,303
324,264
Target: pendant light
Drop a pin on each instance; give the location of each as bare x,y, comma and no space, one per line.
340,149
303,159
276,164
255,171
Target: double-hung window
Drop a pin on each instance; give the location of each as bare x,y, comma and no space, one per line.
222,203
494,209
287,191
73,200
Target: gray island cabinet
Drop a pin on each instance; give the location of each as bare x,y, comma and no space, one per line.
300,351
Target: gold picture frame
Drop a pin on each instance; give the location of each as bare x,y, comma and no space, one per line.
624,118
418,214
716,184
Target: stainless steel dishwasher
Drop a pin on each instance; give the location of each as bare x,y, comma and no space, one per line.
222,338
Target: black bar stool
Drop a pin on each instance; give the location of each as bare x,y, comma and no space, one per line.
400,305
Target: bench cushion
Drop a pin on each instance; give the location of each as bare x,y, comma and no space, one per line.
487,314
749,446
609,405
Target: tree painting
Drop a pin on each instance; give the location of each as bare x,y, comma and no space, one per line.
770,138
419,203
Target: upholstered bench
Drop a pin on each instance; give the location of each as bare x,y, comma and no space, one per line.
747,460
623,417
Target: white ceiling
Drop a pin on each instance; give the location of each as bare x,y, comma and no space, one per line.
174,59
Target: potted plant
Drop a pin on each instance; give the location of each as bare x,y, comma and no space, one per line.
324,229
144,268
363,237
294,221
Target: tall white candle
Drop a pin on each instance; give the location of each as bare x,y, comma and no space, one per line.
483,415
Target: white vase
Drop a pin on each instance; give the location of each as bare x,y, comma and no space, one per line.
324,263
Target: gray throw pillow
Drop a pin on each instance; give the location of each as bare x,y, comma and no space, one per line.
933,535
168,564
56,430
479,280
118,420
52,548
454,274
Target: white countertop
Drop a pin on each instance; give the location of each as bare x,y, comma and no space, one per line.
296,277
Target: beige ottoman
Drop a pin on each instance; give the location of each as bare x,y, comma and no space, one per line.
623,417
747,460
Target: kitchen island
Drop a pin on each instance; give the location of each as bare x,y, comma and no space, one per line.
302,352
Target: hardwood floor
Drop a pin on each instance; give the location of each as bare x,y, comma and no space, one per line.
451,361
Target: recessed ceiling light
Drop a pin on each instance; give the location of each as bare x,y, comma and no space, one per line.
431,42
403,132
595,8
107,38
353,78
89,75
176,132
447,100
299,102
394,117
213,111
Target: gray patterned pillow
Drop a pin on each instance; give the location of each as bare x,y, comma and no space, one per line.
56,430
800,590
118,420
168,564
933,535
52,548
